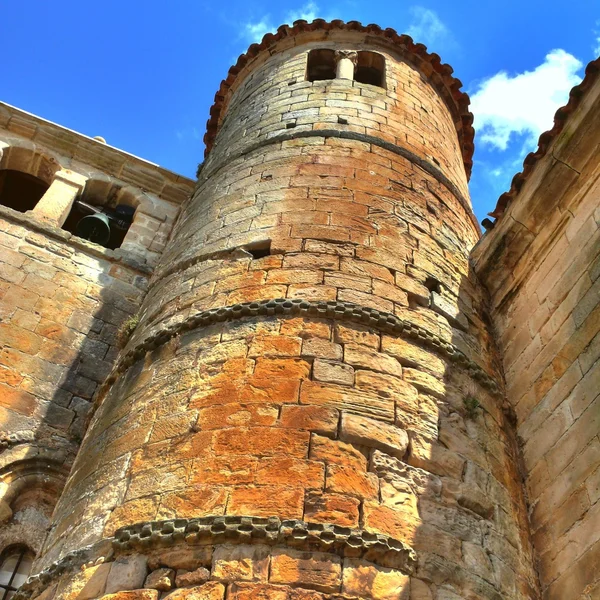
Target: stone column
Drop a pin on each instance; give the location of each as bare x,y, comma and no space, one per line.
55,204
346,63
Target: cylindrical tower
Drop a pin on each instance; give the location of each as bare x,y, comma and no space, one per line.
311,404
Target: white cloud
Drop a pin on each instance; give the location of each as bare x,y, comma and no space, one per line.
427,28
523,104
254,31
597,41
308,12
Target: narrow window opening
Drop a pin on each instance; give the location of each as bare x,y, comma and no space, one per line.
15,567
342,121
321,65
433,285
20,191
370,69
259,249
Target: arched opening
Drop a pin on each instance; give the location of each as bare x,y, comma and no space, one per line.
20,191
321,65
370,69
25,176
15,566
102,214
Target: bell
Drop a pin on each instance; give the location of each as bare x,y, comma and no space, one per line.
95,228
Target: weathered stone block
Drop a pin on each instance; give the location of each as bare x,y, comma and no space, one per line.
241,563
315,570
376,434
127,574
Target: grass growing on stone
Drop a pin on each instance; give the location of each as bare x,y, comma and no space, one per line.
127,329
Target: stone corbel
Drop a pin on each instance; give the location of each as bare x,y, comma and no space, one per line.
55,205
346,61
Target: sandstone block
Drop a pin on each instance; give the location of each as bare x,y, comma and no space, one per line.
344,398
212,590
363,579
185,578
241,563
132,595
320,348
290,472
258,591
338,509
346,480
189,558
161,580
412,355
328,372
365,357
315,570
356,429
266,501
337,452
318,419
127,574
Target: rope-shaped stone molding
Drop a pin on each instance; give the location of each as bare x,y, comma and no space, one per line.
333,309
343,541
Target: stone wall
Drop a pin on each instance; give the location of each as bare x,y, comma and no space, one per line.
311,404
541,264
62,303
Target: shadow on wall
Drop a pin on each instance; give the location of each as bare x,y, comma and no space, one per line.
62,303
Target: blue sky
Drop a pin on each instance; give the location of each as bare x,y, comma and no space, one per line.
144,74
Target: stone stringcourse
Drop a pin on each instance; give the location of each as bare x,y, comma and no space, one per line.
332,309
428,167
299,535
344,541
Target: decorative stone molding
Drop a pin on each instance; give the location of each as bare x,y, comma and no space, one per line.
272,531
343,541
346,311
429,167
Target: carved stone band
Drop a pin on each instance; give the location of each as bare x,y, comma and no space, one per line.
333,309
272,531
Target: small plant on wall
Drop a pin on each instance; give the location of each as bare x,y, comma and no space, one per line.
471,405
127,329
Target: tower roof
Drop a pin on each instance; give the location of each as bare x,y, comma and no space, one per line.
430,64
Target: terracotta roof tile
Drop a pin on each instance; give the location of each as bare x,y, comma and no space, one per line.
547,138
429,63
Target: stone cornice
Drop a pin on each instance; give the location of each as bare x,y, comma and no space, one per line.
107,159
149,536
272,531
346,311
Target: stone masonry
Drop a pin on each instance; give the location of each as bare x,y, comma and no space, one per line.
329,393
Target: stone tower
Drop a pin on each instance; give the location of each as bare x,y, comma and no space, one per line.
311,404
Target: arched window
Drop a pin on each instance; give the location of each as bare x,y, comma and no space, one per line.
25,175
321,65
15,566
20,191
370,68
102,214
